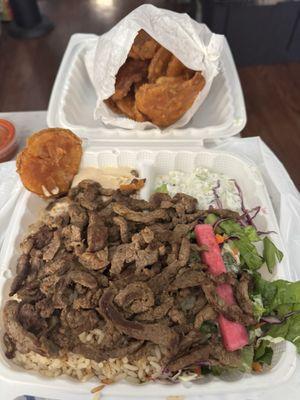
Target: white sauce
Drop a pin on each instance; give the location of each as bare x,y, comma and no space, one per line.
108,177
200,184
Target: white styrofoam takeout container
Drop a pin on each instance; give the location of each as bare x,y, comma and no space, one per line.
14,381
73,100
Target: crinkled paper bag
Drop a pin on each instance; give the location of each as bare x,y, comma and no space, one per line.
192,43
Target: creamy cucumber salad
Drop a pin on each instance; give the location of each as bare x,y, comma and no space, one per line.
202,184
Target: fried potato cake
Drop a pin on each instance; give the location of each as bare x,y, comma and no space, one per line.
166,101
132,71
159,64
144,46
49,161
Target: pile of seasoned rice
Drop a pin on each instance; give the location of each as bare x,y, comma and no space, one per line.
138,371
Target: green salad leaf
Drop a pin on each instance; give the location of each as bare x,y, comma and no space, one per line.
288,330
249,254
211,219
162,188
247,354
279,297
271,254
263,353
251,233
258,307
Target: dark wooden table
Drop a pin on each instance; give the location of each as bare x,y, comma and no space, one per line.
28,69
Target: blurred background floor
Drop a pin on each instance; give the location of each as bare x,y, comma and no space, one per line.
28,69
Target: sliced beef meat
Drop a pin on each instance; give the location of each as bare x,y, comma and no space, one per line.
41,237
177,316
158,312
27,244
192,339
146,257
136,297
207,313
23,268
78,215
30,318
157,198
242,294
52,247
87,194
83,278
79,320
160,281
48,283
123,226
131,202
125,253
97,233
184,252
200,353
157,333
185,204
45,307
71,233
187,279
95,261
99,354
225,358
88,300
57,266
10,347
25,341
30,292
147,217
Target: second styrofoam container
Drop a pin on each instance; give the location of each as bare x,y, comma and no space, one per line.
14,381
73,100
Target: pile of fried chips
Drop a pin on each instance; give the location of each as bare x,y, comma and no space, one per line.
153,85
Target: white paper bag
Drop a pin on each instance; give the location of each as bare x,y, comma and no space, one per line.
192,43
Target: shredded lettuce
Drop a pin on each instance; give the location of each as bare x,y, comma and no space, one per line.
162,188
271,254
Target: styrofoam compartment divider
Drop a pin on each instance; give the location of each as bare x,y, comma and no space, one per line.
73,100
15,381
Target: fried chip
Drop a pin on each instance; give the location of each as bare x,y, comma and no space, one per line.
128,107
159,64
49,161
166,101
112,105
144,46
176,68
131,72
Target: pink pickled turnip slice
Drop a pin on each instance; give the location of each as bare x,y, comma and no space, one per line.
225,291
234,334
212,257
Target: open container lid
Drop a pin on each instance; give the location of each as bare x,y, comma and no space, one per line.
73,100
